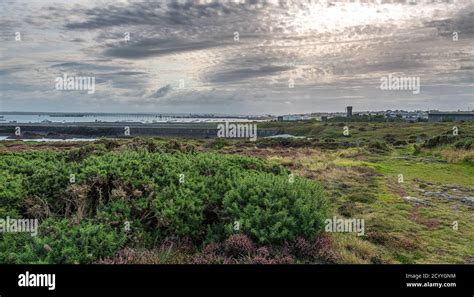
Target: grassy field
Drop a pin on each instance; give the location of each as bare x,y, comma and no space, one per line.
412,183
399,230
409,221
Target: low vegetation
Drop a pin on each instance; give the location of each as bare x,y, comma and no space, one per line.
148,194
230,201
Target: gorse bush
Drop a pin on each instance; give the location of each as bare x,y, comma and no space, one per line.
439,140
272,210
378,147
467,144
203,197
60,241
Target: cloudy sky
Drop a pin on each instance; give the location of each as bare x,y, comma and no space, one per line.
184,56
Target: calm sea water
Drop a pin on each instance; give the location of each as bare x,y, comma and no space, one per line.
39,118
5,138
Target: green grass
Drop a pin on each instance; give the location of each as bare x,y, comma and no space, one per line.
400,231
444,173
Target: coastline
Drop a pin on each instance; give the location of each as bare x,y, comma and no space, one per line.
94,130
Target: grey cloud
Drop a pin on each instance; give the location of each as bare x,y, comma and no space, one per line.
385,64
126,73
79,66
161,92
8,71
156,13
462,23
247,73
156,47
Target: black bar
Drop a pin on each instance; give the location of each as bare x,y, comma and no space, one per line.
231,276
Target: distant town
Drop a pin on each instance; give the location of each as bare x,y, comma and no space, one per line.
417,115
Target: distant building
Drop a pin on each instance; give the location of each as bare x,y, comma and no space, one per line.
406,115
439,116
295,117
349,111
291,117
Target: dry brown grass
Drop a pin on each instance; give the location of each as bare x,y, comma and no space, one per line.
457,156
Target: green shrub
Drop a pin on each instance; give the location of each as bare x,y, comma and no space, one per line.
390,138
60,241
439,141
11,190
42,174
270,209
79,154
217,143
400,143
416,149
467,144
378,147
144,188
81,243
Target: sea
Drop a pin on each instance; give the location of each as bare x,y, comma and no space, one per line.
32,118
113,118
